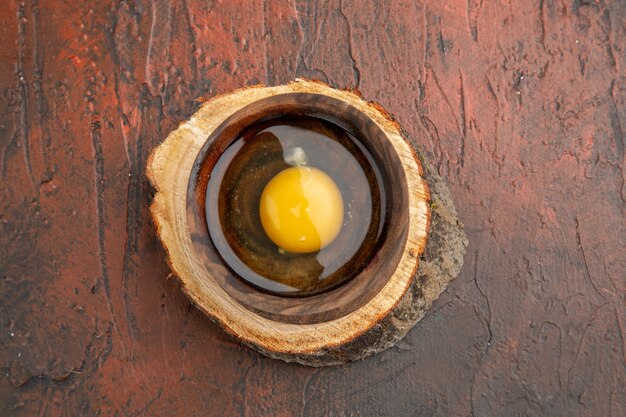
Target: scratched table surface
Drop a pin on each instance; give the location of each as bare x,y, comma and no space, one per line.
519,105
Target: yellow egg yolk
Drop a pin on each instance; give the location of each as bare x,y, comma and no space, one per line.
301,209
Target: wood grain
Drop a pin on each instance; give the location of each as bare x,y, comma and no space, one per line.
308,330
521,107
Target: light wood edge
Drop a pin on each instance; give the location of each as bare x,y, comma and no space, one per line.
169,168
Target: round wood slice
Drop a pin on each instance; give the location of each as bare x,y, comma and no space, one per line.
354,321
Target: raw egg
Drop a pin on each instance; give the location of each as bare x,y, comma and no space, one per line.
301,209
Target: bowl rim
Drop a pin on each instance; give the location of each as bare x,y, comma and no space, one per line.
360,289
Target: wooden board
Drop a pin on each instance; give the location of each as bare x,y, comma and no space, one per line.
519,105
322,329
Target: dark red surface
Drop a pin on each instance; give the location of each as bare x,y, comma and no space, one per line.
519,104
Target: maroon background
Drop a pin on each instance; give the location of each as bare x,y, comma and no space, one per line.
519,104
